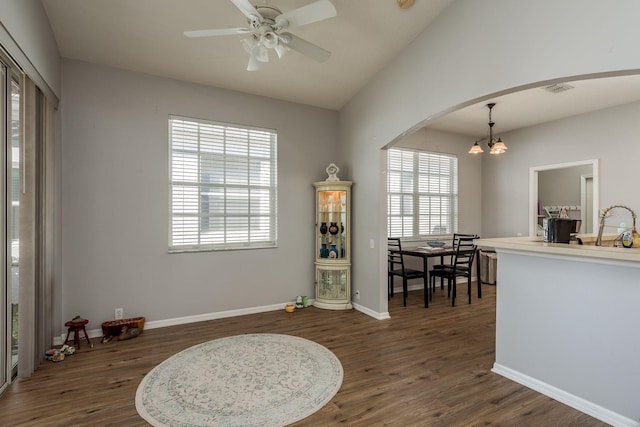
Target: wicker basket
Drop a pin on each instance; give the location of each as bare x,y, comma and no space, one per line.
114,327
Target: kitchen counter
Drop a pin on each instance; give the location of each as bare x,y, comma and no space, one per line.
567,322
587,251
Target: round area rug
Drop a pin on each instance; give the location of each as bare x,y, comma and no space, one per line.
243,380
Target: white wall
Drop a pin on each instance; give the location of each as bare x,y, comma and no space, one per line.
115,199
608,135
471,52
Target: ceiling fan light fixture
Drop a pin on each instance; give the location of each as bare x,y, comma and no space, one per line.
254,64
262,54
265,25
281,23
269,40
281,50
248,44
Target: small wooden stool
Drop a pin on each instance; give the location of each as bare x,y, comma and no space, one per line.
76,327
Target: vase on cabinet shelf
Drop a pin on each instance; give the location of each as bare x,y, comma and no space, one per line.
324,252
323,228
333,252
333,228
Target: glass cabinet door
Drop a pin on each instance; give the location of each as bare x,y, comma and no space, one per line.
331,224
332,284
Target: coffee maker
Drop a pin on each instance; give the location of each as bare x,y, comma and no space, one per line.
561,230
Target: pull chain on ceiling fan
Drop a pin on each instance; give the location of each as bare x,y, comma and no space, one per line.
266,25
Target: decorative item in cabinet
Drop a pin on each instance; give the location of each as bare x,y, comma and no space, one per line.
332,242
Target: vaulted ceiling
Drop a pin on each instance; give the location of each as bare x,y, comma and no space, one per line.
147,36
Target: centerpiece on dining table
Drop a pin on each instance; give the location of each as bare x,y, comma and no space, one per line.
434,244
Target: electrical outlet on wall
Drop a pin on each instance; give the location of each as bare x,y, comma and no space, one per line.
119,313
357,295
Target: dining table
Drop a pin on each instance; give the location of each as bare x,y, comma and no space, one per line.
426,252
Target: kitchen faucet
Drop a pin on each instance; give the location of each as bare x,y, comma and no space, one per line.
603,215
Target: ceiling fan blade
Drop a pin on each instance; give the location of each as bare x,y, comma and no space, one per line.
217,32
314,12
304,47
247,8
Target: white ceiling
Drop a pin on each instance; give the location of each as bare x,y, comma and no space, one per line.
147,36
534,106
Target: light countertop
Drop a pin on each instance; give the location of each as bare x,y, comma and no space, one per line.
537,245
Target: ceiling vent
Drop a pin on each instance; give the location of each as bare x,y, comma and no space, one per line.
558,87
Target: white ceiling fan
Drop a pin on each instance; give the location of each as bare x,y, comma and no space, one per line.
266,26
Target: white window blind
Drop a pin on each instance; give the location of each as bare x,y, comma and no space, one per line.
223,186
422,193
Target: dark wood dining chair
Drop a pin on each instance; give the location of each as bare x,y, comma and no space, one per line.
454,245
397,268
461,267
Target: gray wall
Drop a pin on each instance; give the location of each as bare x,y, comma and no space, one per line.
608,135
472,51
550,338
115,199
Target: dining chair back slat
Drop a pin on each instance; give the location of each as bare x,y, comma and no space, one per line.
454,244
396,268
465,250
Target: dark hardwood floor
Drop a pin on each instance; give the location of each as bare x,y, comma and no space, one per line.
422,367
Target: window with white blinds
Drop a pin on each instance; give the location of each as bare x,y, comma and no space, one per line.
422,193
223,186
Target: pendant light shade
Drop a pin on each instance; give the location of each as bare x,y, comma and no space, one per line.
476,149
258,53
254,64
498,147
248,44
495,146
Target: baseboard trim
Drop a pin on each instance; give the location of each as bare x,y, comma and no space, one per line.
582,405
214,316
376,315
97,333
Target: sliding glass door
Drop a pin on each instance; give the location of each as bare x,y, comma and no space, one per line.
5,317
10,159
13,223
